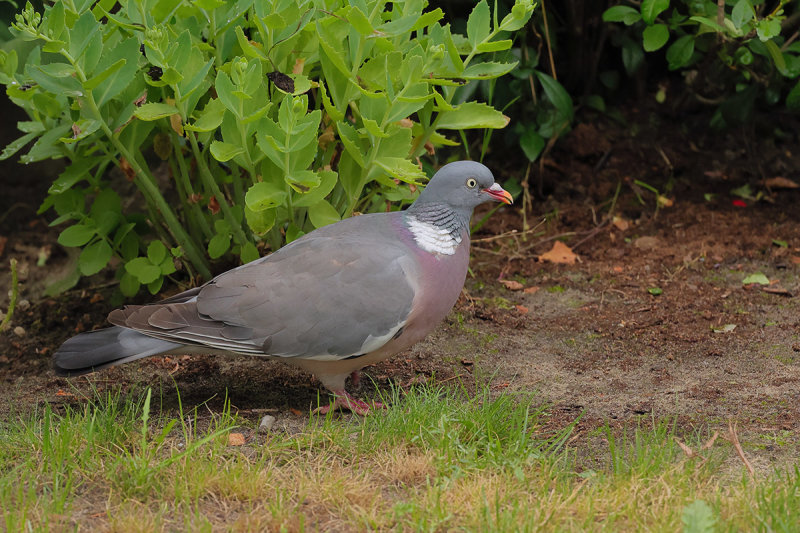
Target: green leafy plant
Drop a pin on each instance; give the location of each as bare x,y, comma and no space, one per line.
239,123
533,93
736,50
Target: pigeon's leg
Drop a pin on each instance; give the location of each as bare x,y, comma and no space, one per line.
343,400
355,378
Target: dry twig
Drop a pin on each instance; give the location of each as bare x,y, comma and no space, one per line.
733,438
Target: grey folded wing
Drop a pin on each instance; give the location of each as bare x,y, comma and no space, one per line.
323,298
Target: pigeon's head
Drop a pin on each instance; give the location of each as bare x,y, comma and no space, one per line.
464,185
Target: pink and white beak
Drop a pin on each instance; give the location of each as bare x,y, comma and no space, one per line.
500,194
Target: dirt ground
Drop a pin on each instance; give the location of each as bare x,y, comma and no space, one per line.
590,338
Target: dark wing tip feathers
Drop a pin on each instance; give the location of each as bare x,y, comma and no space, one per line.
94,350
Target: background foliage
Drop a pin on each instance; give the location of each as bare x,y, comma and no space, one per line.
273,118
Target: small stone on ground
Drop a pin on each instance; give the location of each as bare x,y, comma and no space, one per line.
266,424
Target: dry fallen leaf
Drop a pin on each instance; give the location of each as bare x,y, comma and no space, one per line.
796,260
686,449
560,253
620,223
664,201
647,243
716,174
511,285
777,289
213,205
235,439
531,290
779,182
522,309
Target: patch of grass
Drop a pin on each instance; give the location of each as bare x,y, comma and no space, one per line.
499,302
438,459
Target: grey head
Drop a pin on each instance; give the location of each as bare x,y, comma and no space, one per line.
462,186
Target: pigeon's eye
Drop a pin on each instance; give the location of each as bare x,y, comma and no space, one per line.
471,183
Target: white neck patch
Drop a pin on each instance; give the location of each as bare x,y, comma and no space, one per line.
433,239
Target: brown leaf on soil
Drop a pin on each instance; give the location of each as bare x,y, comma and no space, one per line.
531,290
777,289
779,182
664,201
796,260
716,174
522,309
647,243
512,285
560,253
235,439
621,223
296,412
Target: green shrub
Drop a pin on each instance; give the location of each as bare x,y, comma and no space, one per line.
735,50
273,117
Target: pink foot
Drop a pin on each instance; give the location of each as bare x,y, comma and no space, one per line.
355,378
343,400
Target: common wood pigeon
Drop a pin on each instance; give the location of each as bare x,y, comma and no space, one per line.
339,298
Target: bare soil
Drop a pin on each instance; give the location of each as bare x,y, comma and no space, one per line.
591,338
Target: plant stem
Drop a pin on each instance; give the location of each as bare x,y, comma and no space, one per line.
211,185
12,302
183,176
145,182
147,185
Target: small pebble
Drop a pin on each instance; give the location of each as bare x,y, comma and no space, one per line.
23,305
266,424
19,331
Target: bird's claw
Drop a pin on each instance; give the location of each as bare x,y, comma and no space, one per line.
343,400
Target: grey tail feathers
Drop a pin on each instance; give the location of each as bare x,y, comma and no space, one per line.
87,352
